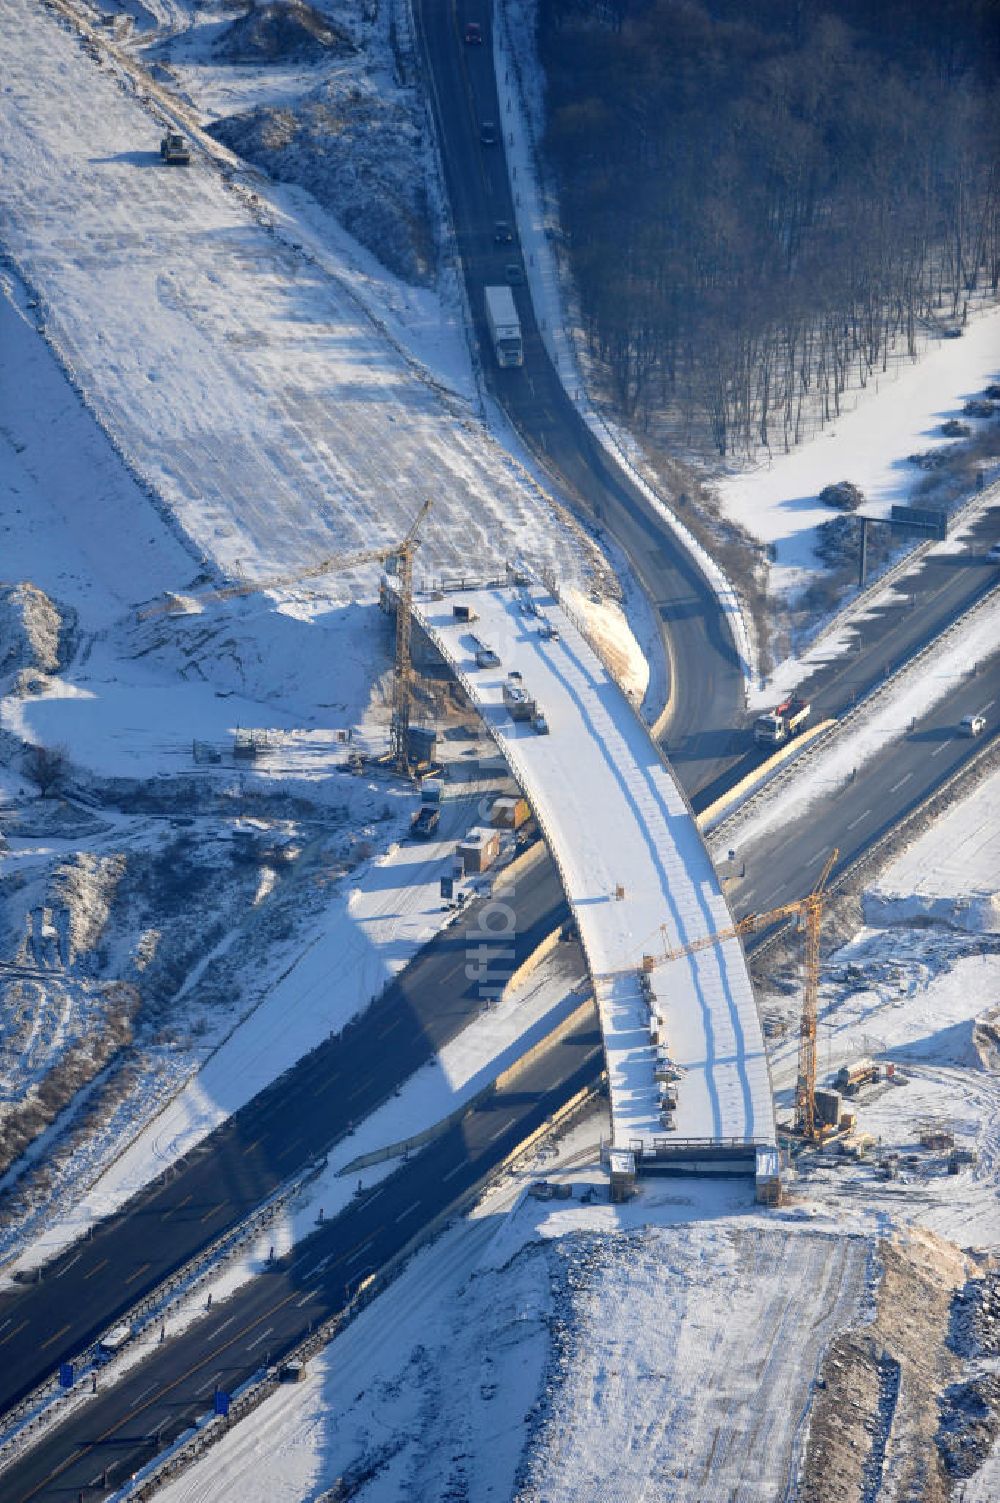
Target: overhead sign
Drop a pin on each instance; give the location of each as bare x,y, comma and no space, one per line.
926,518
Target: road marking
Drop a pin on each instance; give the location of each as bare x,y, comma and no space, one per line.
408,1212
904,779
171,1209
112,1429
292,1148
493,1136
96,1268
359,1090
213,1382
219,1329
212,1211
318,1267
6,1323
859,819
361,1247
251,1146
374,1195
11,1334
939,749
262,1337
309,1294
324,1087
451,1173
146,1392
71,1264
61,1332
813,859
388,1028
139,1270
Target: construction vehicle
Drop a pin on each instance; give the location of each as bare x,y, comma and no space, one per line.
504,326
425,822
486,657
516,699
398,561
810,910
785,720
174,150
850,1078
539,724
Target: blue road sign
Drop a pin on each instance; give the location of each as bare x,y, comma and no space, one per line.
221,1402
67,1375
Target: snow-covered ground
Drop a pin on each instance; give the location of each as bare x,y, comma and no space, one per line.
573,1349
634,869
898,414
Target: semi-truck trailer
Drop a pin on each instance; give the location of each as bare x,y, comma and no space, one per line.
786,719
504,326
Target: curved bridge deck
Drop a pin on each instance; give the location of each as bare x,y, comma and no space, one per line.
688,1075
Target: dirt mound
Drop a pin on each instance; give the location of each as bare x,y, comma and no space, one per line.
882,1406
281,31
30,627
358,154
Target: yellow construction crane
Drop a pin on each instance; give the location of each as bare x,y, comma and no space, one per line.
810,909
402,553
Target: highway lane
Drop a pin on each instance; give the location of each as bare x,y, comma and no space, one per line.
122,1427
940,588
296,1119
784,864
707,702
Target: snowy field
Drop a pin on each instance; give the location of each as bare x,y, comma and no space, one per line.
898,414
247,386
634,869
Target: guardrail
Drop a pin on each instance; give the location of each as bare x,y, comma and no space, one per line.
865,598
726,828
193,1443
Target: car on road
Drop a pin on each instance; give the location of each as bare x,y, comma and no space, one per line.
488,133
473,34
502,232
994,554
972,725
514,273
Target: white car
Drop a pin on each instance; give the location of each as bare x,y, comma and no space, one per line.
972,725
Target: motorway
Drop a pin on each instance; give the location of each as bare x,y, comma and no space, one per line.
707,697
310,1108
276,1135
115,1432
853,816
706,735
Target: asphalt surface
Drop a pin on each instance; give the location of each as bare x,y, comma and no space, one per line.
276,1135
707,689
116,1431
940,588
784,864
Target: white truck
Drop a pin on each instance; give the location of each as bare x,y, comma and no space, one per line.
504,326
786,719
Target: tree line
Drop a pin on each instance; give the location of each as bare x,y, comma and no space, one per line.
764,199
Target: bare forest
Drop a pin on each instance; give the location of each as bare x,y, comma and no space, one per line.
766,200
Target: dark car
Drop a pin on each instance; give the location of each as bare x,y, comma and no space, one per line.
514,274
473,34
488,133
502,233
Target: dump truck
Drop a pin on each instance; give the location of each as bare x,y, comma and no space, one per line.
174,150
516,699
425,822
504,326
785,720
